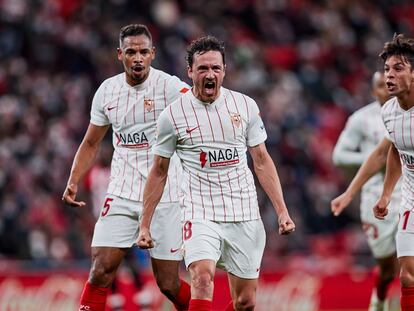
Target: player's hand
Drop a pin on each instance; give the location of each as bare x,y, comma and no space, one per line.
380,208
69,196
144,240
340,203
286,224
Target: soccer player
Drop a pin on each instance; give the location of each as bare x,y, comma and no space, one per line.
131,102
210,129
360,136
397,115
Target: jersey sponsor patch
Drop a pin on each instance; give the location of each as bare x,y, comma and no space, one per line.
220,157
132,140
407,160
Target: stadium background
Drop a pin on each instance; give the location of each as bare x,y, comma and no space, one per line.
307,63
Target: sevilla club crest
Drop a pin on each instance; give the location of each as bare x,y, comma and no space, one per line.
235,119
148,105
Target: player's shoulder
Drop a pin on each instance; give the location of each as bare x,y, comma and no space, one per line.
238,96
368,111
389,106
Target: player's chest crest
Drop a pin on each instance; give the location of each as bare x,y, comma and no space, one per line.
148,104
235,119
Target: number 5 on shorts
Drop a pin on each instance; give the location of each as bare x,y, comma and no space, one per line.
105,208
187,232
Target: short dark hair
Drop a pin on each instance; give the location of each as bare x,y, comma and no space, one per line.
399,46
202,45
134,30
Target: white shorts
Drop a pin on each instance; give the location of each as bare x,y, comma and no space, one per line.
405,234
236,247
118,225
381,234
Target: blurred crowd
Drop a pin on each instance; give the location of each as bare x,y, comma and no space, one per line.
308,64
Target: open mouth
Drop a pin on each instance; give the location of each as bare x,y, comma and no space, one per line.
137,69
209,87
390,85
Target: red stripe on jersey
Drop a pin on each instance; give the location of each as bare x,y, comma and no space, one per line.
247,108
402,130
231,196
169,188
222,197
395,121
104,97
123,174
175,124
241,192
191,197
186,121
198,123
234,131
221,124
132,183
248,188
126,109
201,196
211,197
133,113
153,99
140,179
209,121
184,90
411,130
165,95
237,108
117,104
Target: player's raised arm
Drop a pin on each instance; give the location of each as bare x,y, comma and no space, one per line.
392,174
84,158
267,174
375,162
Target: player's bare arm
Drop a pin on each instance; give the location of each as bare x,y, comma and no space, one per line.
84,158
392,175
372,165
152,195
269,180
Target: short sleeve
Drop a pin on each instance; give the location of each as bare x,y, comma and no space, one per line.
256,132
175,89
165,135
98,116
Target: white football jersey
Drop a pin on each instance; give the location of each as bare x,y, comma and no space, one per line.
211,140
400,127
363,131
133,111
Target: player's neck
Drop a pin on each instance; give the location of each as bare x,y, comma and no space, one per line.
406,100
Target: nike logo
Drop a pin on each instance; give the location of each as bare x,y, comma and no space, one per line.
110,108
188,130
173,250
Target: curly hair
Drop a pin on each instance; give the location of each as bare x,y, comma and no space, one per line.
202,45
399,46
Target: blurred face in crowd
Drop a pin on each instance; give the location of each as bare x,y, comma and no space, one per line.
207,73
399,76
136,54
379,88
